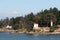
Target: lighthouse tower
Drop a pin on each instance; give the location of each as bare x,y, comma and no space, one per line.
51,23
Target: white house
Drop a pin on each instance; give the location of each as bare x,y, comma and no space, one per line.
35,26
8,26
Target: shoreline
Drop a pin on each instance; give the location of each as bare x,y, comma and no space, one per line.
15,32
26,32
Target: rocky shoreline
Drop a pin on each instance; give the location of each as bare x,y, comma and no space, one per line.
26,32
19,32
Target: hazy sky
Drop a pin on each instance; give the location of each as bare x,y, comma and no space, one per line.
13,8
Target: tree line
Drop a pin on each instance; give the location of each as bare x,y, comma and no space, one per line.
42,18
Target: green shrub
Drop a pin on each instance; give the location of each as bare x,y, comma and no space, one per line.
52,29
16,26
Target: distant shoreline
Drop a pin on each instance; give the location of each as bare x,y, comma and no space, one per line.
26,32
15,32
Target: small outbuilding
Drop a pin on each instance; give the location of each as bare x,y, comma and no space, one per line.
9,27
35,26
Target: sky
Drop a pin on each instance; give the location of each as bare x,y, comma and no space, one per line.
14,8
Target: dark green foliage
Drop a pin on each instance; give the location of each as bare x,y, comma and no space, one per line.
43,18
29,19
18,19
1,24
52,29
12,22
16,26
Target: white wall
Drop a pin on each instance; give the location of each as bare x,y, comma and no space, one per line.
35,26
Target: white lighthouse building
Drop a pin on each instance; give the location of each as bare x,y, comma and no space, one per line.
35,26
51,23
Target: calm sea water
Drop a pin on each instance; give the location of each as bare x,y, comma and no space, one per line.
8,36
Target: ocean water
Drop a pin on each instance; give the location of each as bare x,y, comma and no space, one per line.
9,36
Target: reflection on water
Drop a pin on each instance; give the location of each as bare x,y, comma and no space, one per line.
35,34
8,36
